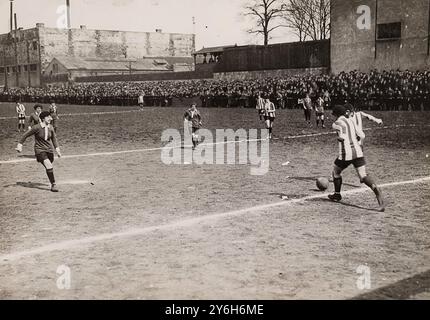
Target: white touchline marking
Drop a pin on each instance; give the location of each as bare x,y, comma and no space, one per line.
76,243
189,146
80,114
128,151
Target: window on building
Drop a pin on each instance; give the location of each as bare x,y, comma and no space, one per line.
7,69
1,70
388,31
25,68
19,69
33,67
14,69
34,45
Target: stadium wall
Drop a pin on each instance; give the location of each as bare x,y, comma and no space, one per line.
148,77
355,42
249,75
297,55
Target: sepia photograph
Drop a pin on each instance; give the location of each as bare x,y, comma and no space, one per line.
229,150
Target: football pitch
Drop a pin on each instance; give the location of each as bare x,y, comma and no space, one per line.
127,226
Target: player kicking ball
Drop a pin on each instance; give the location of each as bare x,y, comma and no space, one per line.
45,141
350,153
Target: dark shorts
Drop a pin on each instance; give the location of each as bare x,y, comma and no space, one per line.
266,118
21,117
40,157
357,163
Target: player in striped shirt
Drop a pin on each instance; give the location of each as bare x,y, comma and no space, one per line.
260,106
357,118
45,141
269,115
20,110
350,152
53,110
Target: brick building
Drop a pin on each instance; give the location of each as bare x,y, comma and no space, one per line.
25,54
380,34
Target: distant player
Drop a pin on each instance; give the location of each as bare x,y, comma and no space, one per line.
45,141
192,117
307,106
350,152
34,117
327,99
260,106
20,110
357,118
319,111
53,110
269,115
140,101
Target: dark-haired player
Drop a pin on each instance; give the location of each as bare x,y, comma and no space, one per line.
35,116
350,152
192,116
45,141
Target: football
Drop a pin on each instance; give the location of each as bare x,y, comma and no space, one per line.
322,183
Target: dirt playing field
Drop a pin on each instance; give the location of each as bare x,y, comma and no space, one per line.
127,226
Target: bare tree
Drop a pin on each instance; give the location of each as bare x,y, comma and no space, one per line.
266,16
309,18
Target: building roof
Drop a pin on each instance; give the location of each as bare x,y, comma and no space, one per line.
175,60
148,64
213,49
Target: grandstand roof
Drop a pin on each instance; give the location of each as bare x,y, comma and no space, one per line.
175,60
213,49
149,64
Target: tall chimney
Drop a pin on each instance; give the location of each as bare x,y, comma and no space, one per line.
69,25
16,22
11,15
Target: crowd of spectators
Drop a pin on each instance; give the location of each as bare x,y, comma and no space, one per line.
388,90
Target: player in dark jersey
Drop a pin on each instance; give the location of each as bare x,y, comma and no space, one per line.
192,117
45,141
34,117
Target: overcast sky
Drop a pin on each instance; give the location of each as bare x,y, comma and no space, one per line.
217,22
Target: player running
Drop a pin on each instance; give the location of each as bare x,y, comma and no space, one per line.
45,141
35,117
350,152
20,110
269,115
192,116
